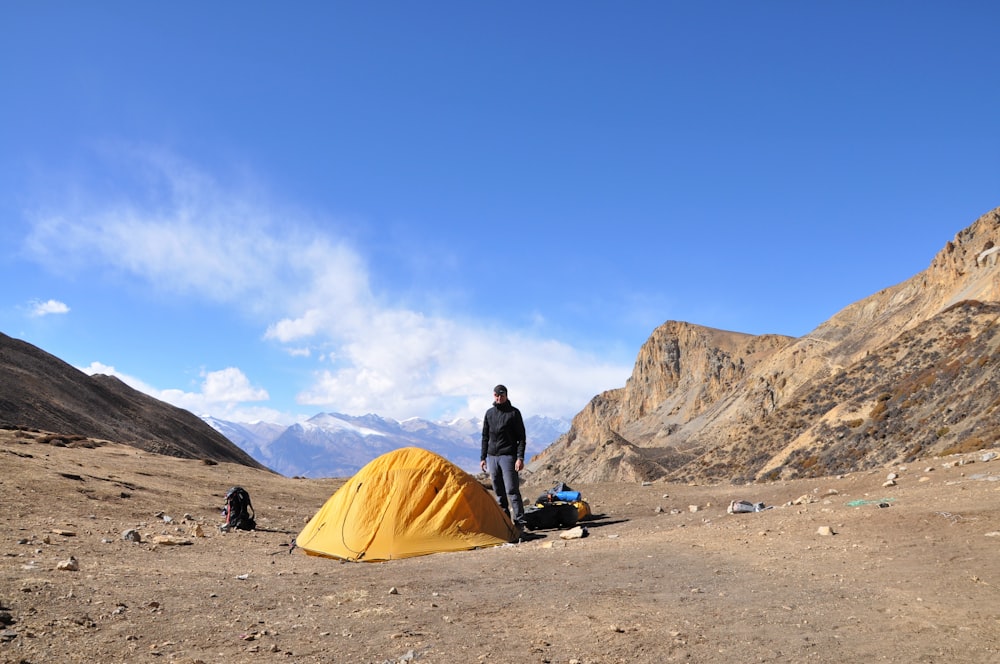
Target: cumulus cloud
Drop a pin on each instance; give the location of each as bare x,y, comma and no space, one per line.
224,394
369,351
48,307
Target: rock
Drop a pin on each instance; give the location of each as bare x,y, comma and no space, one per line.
393,591
693,508
69,565
132,535
825,531
573,533
64,533
988,456
889,483
172,540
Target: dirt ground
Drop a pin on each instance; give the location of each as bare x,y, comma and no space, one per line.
664,574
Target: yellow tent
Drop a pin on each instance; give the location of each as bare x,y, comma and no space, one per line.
405,503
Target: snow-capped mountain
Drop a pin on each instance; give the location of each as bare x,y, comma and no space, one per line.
336,445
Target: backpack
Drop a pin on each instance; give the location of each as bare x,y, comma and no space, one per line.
238,510
551,515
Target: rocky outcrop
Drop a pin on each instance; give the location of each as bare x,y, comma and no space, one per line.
710,405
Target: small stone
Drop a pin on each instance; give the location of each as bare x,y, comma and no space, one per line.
393,591
132,535
693,508
888,483
574,533
825,531
69,565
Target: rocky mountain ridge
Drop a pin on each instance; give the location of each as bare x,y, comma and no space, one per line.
711,405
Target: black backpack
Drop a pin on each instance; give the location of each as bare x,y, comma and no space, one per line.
238,510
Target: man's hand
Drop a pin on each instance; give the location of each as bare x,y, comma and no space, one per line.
482,464
519,465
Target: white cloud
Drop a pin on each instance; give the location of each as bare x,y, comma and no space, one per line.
230,384
223,393
194,238
48,307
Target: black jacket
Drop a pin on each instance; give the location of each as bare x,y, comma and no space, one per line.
503,432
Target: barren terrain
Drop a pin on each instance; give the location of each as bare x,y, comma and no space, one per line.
909,573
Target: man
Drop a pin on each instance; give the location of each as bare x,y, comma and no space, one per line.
502,456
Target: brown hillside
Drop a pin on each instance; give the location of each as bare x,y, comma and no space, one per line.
40,391
702,404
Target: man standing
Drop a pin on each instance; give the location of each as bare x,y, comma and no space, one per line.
502,456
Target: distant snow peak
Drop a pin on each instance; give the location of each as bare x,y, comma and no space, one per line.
337,422
338,445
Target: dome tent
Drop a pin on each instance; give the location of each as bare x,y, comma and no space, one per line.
408,502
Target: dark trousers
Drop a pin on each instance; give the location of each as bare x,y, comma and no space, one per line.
506,485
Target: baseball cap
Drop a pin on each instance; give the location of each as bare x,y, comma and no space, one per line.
499,389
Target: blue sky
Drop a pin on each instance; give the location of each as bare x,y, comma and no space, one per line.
263,210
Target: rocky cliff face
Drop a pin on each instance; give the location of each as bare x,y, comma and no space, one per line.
711,405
